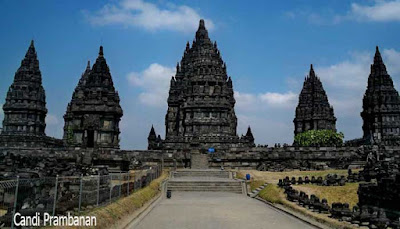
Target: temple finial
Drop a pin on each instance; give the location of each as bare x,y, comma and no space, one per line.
378,57
101,51
152,132
201,24
312,73
88,66
202,33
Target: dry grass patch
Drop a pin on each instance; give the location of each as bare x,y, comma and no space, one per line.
273,177
343,194
275,195
255,184
272,193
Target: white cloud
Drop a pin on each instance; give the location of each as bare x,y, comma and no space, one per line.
287,99
149,16
392,59
154,81
381,11
350,74
51,119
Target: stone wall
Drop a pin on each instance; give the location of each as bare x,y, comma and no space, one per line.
262,158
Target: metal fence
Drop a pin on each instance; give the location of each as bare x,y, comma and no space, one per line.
58,195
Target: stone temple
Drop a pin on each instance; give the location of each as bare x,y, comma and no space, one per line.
201,103
93,115
313,111
25,107
381,106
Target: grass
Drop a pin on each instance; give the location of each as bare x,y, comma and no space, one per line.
343,194
272,193
273,177
255,184
109,215
275,195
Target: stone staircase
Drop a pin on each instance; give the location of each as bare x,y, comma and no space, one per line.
199,161
204,181
201,173
205,186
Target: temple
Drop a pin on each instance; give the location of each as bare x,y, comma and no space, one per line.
93,115
313,111
201,111
381,106
25,107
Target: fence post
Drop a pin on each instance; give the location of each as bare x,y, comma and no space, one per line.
129,180
134,180
120,185
110,187
15,203
80,194
98,190
55,196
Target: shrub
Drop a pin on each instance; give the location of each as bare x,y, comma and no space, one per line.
319,138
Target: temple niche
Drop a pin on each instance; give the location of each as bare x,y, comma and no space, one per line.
381,106
201,111
313,111
93,115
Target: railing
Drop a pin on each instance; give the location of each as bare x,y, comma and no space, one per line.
61,194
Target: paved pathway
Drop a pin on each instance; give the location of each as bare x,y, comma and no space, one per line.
212,210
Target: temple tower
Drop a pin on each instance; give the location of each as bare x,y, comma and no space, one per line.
25,107
93,115
201,104
381,106
154,141
313,111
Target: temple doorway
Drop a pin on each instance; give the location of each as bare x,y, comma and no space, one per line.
90,138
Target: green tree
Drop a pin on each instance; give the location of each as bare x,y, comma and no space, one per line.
319,138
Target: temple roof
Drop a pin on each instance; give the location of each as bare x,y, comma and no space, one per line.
313,101
95,91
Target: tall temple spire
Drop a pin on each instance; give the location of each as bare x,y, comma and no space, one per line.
25,107
201,102
313,111
94,109
154,141
381,106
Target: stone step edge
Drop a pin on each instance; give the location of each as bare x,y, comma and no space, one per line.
255,192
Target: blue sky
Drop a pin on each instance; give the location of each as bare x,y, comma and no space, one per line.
268,47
